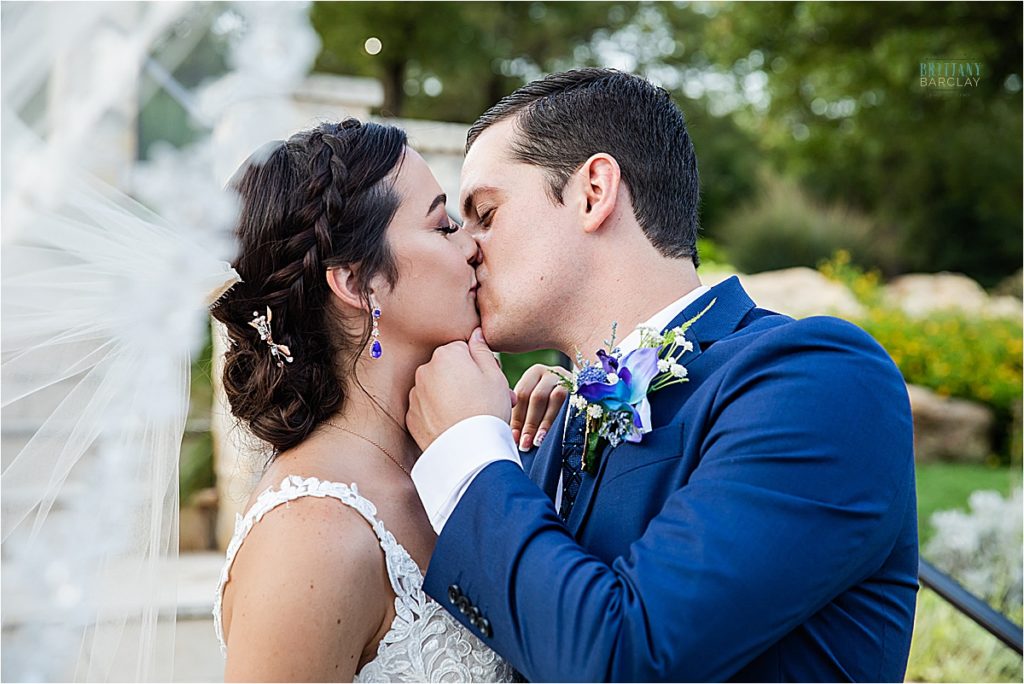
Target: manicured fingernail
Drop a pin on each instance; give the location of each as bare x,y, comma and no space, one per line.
515,436
524,443
539,439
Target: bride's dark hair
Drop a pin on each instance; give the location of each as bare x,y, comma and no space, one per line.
321,199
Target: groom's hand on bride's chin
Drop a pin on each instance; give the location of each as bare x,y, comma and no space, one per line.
460,381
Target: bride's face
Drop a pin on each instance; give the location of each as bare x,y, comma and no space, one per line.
434,300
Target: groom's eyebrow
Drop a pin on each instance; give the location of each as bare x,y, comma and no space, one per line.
438,201
468,207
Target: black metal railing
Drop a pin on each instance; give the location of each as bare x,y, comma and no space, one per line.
994,622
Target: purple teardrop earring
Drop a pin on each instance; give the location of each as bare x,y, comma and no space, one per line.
375,349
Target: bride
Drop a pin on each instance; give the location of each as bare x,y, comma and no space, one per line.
352,274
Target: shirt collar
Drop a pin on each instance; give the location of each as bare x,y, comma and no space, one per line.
659,320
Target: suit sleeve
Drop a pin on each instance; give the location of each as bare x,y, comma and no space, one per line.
805,470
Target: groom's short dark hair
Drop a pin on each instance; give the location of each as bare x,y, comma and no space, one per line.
564,118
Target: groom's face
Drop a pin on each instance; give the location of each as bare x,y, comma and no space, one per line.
525,242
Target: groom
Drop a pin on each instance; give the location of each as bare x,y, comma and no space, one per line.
764,529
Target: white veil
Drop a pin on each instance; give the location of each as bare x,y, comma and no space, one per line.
103,302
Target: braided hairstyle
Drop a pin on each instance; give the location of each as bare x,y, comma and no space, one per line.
322,199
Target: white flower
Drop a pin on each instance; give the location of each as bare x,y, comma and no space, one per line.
612,378
678,370
578,402
981,548
686,345
650,337
595,411
664,365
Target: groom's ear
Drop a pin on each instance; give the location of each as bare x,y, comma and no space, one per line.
345,285
599,177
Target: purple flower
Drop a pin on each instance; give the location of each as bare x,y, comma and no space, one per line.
609,363
629,393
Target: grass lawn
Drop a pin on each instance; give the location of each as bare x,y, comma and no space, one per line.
942,486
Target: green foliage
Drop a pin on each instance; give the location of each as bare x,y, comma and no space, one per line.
514,365
826,94
729,163
477,51
949,647
196,471
1011,285
953,353
865,285
945,486
981,549
848,119
784,227
712,257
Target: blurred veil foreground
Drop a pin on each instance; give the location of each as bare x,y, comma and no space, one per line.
104,303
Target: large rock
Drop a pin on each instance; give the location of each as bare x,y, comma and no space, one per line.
947,429
798,292
921,294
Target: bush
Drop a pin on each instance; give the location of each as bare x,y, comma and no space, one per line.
784,228
981,549
1012,285
943,486
950,647
712,256
952,353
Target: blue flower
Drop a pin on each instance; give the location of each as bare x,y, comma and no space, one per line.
629,392
591,374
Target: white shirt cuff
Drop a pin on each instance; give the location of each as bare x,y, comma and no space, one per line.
446,469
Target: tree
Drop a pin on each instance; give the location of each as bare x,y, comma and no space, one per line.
849,119
826,94
473,52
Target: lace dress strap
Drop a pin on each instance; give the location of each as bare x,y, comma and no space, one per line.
402,570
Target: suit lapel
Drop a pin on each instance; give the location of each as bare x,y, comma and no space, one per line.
731,305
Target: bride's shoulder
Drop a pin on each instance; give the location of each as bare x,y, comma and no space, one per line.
291,602
304,517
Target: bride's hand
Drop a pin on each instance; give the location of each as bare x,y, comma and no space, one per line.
538,399
461,380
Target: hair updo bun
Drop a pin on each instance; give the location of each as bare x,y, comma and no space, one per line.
319,200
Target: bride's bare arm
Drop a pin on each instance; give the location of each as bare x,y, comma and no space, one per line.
309,595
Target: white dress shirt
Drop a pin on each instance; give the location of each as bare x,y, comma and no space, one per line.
449,465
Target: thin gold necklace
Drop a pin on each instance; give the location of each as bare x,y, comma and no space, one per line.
363,437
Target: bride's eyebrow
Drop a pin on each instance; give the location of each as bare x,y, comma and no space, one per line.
440,200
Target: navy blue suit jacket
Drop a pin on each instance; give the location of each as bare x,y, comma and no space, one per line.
765,530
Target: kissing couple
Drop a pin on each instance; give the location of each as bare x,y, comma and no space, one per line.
724,493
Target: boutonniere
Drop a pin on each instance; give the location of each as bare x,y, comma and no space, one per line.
612,391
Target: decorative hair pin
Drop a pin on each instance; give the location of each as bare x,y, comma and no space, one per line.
280,352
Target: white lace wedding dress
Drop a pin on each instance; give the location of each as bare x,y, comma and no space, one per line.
425,643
